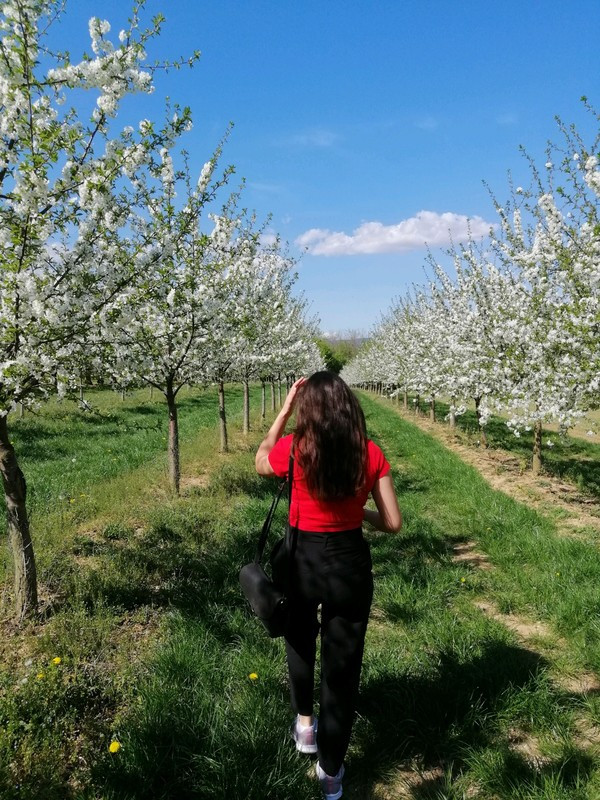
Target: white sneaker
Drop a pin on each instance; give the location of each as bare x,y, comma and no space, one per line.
330,784
305,738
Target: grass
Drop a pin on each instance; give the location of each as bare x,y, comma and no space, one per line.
573,458
64,451
98,466
157,646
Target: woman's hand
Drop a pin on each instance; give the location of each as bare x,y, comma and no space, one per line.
290,401
263,467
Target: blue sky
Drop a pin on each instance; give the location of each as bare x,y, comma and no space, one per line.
351,112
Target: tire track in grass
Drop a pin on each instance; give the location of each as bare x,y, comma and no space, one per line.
501,549
467,553
575,514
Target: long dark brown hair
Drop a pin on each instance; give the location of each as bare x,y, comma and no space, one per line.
330,438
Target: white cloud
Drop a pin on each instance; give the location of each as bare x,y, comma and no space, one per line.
425,228
427,124
317,137
507,119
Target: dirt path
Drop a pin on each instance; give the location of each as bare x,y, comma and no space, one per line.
578,515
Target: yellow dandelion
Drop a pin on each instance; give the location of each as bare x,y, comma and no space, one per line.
40,676
72,500
82,495
114,746
253,676
558,573
56,660
463,580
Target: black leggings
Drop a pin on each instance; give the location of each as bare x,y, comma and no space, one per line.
332,570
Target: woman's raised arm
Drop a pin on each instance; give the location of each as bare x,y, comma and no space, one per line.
263,467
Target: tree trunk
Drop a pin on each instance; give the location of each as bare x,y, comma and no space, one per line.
81,391
263,401
536,465
279,393
272,382
173,452
405,398
15,492
21,410
246,423
452,413
418,405
122,394
482,433
222,418
432,409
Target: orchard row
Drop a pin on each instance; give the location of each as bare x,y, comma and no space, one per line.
120,258
514,326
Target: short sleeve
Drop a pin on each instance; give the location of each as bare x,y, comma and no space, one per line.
279,457
378,463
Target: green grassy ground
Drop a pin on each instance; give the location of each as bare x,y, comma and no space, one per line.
574,458
84,465
157,647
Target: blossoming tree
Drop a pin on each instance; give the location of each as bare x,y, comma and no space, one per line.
58,211
155,331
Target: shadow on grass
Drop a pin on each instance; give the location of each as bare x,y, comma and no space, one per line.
411,550
433,720
178,564
230,480
406,483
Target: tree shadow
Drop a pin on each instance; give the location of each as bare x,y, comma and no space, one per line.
193,571
403,555
434,720
232,481
406,482
145,411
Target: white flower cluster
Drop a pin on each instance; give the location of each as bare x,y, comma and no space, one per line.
115,71
63,222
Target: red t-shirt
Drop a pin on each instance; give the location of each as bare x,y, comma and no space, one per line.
310,514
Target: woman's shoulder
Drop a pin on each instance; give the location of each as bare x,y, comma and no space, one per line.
373,448
376,459
280,454
285,443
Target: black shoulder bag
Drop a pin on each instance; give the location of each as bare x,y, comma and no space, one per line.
268,598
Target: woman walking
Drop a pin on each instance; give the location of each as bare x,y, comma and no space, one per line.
336,466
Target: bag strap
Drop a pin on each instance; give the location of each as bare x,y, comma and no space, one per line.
262,539
291,540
